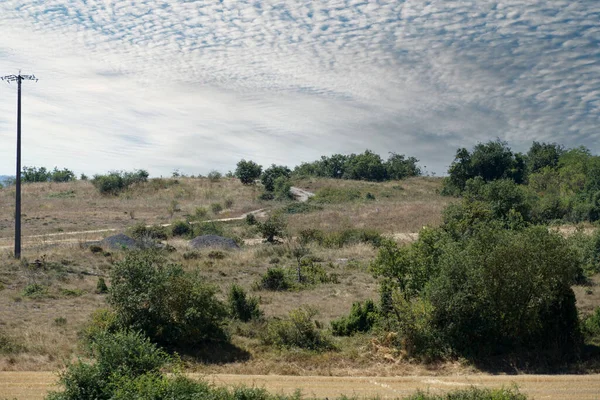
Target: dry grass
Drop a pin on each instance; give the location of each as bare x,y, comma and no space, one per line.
399,206
33,386
77,206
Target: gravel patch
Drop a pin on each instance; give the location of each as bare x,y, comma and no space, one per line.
119,241
210,241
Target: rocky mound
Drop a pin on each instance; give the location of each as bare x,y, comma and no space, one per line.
208,241
119,241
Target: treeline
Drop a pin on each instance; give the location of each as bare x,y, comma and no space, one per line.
547,183
367,166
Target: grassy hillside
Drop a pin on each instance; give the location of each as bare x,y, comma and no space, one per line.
47,298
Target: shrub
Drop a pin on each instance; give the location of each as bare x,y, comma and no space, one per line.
102,321
34,290
214,176
298,330
216,208
169,305
492,292
115,182
271,174
282,189
251,219
273,228
242,307
228,203
181,228
208,228
591,325
101,287
200,213
119,357
248,171
472,393
361,319
141,232
274,279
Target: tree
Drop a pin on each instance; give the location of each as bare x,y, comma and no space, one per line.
367,166
399,167
269,176
489,161
542,155
248,171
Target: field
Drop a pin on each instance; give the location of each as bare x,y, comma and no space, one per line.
40,333
33,386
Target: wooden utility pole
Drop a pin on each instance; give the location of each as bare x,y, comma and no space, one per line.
19,79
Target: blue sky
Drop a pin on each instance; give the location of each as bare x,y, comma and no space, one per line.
198,85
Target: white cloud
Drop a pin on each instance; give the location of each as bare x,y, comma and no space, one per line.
198,85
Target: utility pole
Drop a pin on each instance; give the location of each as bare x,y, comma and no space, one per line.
18,78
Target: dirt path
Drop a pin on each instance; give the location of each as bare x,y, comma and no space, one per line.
34,385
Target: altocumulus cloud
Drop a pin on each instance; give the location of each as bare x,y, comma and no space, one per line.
197,85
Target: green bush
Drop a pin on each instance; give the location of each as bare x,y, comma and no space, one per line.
101,287
591,326
115,182
273,227
493,292
472,393
248,171
338,239
119,357
181,228
241,306
34,174
171,306
101,322
298,330
282,189
361,319
143,232
209,228
251,219
34,290
274,279
271,174
214,176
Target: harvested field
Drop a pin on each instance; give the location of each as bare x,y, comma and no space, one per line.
34,385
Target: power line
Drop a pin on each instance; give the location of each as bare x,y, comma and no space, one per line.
19,79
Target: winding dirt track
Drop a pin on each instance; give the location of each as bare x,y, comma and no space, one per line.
34,385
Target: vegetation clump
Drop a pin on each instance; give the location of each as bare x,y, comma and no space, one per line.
241,306
248,171
115,182
299,330
362,318
34,174
171,306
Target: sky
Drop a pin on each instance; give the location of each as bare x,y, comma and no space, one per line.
198,85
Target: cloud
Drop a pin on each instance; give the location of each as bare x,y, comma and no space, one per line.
197,85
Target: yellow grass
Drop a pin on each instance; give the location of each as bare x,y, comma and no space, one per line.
33,386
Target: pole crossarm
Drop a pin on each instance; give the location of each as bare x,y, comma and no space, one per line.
15,78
